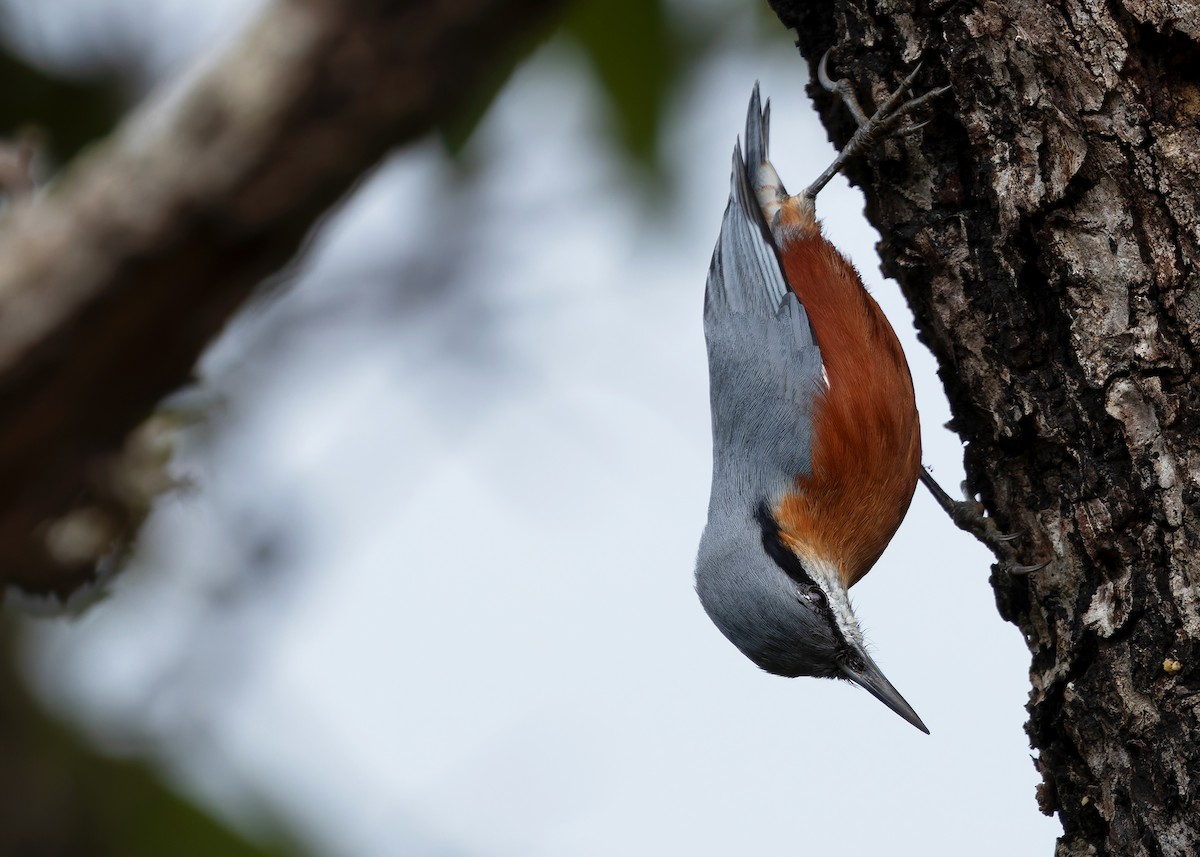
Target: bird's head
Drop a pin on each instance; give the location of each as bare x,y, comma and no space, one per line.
786,610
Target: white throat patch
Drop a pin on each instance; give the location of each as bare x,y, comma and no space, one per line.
826,576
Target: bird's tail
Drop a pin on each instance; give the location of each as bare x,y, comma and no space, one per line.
758,134
788,217
764,182
746,276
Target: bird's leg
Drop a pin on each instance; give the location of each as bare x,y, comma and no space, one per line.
968,515
870,129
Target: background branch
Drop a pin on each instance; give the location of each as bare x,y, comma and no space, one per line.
113,282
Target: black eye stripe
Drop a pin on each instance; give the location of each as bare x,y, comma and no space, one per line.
777,550
791,565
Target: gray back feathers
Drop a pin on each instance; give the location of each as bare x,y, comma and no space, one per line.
765,376
765,368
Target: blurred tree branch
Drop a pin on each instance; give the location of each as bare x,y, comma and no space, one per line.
1046,233
113,281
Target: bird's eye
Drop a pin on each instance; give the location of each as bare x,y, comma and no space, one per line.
815,596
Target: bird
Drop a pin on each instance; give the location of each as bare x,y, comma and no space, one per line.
816,436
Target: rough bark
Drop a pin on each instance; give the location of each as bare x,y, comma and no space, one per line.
1045,228
112,283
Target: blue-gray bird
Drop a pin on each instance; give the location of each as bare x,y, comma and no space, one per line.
816,440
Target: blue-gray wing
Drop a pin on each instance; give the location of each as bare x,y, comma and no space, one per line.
765,371
745,274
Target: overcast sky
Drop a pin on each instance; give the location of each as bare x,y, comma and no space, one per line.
432,591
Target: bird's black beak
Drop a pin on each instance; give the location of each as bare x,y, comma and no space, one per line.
873,679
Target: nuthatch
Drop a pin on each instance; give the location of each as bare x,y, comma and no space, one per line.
816,440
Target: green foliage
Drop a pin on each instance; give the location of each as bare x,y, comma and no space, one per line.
638,51
60,798
637,56
457,129
140,817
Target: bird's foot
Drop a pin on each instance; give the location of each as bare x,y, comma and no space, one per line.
870,128
968,515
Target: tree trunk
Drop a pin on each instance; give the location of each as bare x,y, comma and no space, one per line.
1045,229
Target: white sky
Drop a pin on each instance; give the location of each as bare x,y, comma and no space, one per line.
482,417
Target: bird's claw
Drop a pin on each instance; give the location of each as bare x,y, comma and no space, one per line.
842,89
870,129
893,108
968,515
1022,570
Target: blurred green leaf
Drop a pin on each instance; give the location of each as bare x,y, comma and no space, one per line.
636,55
457,129
638,52
60,798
